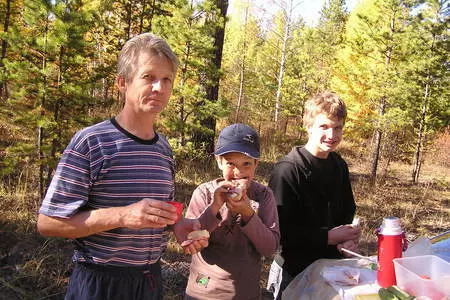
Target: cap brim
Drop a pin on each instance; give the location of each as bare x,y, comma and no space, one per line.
249,151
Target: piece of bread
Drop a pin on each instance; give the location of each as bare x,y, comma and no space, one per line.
236,193
198,234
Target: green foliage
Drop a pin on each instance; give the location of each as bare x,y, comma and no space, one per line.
245,61
186,153
191,37
60,62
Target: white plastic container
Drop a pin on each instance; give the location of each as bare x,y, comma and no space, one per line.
426,275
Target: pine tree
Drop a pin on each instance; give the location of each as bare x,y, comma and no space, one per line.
51,74
428,52
241,84
191,37
329,39
368,68
216,20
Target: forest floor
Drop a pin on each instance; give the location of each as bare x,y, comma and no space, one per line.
34,267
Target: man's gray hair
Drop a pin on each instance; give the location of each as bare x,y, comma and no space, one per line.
147,43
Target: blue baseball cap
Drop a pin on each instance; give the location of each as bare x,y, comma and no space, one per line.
238,138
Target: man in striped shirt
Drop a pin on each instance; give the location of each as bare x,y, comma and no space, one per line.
111,187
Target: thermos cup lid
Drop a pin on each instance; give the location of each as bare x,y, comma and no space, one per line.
391,226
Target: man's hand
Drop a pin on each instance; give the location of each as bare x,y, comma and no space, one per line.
182,228
343,233
147,213
351,245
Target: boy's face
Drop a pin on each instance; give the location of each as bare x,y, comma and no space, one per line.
236,166
325,134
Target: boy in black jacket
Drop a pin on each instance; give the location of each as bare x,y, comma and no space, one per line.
313,191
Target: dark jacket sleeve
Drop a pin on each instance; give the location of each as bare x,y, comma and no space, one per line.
348,200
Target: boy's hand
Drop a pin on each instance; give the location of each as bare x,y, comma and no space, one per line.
241,206
222,194
343,233
234,194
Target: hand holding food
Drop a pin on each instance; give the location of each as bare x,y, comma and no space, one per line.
235,193
195,236
182,229
198,234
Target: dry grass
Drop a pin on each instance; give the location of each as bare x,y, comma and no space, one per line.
33,267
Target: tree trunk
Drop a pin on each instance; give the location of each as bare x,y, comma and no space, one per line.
3,84
242,70
141,17
149,17
204,138
129,12
419,145
56,113
382,108
182,138
287,29
377,145
40,129
422,125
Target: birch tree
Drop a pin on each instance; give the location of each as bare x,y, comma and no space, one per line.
241,84
287,9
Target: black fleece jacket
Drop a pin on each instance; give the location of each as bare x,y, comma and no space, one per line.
313,195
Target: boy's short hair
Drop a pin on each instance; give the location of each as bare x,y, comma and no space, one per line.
327,103
238,138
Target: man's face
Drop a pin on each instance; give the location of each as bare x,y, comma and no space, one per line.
151,87
325,134
237,167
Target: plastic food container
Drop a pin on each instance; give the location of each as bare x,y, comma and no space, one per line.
426,275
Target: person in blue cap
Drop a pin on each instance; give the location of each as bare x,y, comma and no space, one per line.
241,216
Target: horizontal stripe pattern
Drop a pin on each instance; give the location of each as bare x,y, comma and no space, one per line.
104,167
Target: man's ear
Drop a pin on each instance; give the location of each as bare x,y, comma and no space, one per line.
121,83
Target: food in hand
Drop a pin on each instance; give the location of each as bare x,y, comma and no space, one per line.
355,222
198,234
236,193
194,236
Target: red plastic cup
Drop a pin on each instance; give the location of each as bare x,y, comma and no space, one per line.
179,207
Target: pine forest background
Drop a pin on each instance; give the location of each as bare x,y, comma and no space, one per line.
388,59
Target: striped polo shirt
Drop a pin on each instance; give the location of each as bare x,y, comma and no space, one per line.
106,166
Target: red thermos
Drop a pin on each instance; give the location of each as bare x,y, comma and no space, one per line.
390,246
